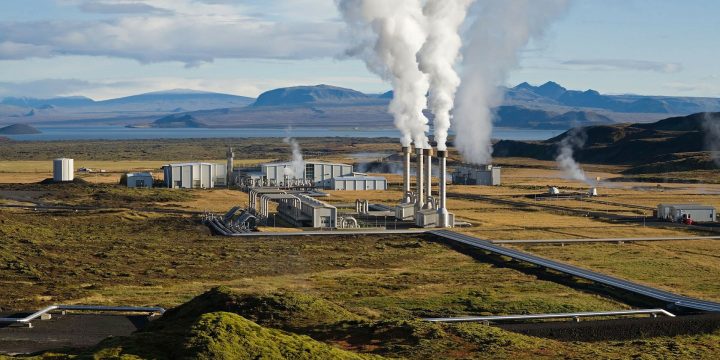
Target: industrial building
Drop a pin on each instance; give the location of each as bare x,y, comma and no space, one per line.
680,212
194,175
294,207
63,170
324,175
305,211
487,175
358,182
319,173
139,180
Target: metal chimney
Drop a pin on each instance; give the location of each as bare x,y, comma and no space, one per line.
406,173
420,201
443,215
230,166
428,176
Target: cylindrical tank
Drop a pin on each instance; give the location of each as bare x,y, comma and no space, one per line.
63,170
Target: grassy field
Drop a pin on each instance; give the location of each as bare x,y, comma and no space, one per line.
125,253
688,267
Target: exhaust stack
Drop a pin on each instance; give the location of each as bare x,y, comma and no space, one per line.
443,215
230,167
428,177
420,200
406,173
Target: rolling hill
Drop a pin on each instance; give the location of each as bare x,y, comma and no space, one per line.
672,144
19,129
548,106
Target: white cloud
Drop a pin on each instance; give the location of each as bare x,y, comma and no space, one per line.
10,50
111,7
625,64
189,31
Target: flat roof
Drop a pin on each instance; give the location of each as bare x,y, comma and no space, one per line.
362,177
305,162
315,203
189,163
689,206
139,174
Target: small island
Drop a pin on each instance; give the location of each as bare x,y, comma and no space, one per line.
19,129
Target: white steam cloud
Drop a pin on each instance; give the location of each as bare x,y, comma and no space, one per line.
297,164
437,59
388,36
711,125
500,30
575,138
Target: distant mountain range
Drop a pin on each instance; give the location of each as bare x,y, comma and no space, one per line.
548,106
672,144
18,129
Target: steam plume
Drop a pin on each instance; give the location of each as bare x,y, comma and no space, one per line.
388,36
500,30
297,165
575,138
711,125
437,59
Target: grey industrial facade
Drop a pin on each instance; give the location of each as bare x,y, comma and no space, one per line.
488,175
675,212
194,175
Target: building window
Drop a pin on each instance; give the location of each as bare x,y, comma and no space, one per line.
139,183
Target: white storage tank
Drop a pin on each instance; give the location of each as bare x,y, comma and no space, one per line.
63,170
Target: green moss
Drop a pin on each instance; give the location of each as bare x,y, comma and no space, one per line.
223,335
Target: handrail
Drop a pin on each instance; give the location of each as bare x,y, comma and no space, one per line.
27,320
551,316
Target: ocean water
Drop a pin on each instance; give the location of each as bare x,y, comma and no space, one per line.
51,133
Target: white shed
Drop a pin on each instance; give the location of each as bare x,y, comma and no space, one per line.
675,212
139,180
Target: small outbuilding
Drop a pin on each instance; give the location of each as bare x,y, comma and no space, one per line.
139,180
679,212
487,175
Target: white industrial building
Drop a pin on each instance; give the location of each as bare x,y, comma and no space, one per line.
325,175
487,175
307,211
63,170
679,212
139,180
358,182
319,173
194,175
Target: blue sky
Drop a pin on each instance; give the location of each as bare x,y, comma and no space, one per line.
111,48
